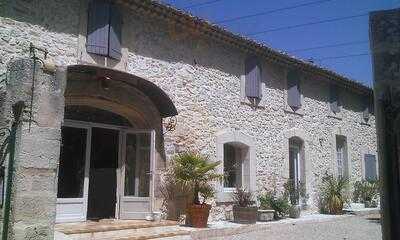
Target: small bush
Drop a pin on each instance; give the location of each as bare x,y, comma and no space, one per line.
271,201
366,192
242,197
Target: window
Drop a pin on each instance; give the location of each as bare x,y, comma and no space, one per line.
104,29
341,156
296,163
232,166
236,152
370,167
253,80
293,90
334,99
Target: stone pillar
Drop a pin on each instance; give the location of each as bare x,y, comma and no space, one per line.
385,44
34,191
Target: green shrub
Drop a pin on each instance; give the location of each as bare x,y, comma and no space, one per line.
367,192
280,204
332,194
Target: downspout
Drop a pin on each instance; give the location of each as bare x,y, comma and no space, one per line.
17,111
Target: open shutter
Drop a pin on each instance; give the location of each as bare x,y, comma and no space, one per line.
294,96
334,99
370,167
98,28
115,33
253,78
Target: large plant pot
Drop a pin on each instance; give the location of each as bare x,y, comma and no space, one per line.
247,215
266,215
294,211
198,215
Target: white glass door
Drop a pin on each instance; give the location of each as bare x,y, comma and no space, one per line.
73,174
136,178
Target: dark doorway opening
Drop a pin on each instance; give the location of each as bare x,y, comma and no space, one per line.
103,178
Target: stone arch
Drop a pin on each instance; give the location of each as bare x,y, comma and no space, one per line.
246,145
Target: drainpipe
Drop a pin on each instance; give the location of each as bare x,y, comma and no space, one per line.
17,111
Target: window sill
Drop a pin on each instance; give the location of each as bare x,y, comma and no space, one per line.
365,124
299,112
335,116
247,103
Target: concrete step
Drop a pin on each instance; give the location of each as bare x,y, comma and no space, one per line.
362,212
133,234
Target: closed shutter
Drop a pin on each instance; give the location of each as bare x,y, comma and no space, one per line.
253,78
115,32
98,28
367,108
334,99
293,85
370,167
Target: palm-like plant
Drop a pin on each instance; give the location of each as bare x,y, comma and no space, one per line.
195,172
333,194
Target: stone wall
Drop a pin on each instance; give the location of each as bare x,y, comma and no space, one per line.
204,78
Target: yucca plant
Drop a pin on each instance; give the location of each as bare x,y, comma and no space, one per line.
333,194
195,172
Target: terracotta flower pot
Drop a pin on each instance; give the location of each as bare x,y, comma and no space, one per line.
246,215
198,215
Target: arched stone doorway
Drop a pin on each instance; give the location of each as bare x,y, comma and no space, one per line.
112,145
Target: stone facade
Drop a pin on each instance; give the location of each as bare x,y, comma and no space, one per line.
204,77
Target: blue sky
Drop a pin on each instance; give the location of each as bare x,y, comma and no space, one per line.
353,30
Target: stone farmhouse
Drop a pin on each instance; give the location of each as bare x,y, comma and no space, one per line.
136,82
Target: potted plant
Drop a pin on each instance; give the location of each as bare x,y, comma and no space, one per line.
266,211
333,194
193,171
243,209
366,192
292,191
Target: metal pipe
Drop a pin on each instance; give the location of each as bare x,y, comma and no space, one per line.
17,112
10,173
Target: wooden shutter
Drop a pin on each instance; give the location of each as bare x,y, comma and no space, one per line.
334,98
98,28
293,90
367,108
370,167
115,33
253,78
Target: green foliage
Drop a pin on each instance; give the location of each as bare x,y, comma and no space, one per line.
194,171
270,200
333,194
366,192
242,197
292,191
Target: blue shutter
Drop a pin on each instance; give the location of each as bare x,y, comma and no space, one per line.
98,28
115,33
293,90
367,108
334,98
253,78
370,167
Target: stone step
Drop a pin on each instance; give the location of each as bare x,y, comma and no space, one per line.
109,225
133,234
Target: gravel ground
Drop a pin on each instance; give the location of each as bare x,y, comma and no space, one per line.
346,228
